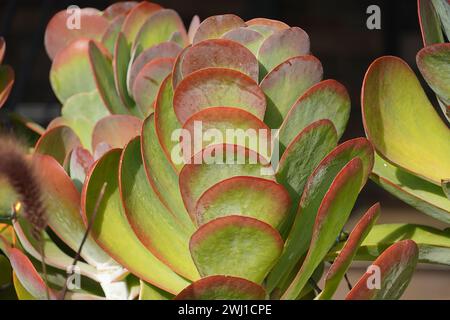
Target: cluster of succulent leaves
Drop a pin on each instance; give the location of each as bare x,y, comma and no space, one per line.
129,78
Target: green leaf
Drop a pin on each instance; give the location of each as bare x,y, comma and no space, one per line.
286,83
446,187
395,268
429,23
249,38
6,83
251,248
215,87
80,163
111,222
418,193
393,104
442,8
222,288
110,37
159,230
150,292
348,252
136,19
331,218
215,26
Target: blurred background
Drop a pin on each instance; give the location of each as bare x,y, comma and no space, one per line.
339,38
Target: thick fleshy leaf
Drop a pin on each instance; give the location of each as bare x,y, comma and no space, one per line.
222,288
249,38
395,268
6,83
346,255
286,83
419,193
21,292
228,125
159,28
430,24
251,248
391,92
81,112
80,163
166,122
217,163
215,87
116,130
214,27
71,71
280,46
62,29
162,50
193,27
316,187
148,81
110,36
113,232
161,175
304,153
331,217
121,59
433,63
102,68
442,8
157,228
275,24
119,8
177,75
58,142
326,100
261,199
150,292
434,244
136,19
220,53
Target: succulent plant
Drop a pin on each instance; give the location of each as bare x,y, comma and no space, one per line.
121,173
412,141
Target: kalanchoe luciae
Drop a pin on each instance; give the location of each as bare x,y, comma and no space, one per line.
131,78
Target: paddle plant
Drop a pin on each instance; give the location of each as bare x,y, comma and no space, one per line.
412,141
138,179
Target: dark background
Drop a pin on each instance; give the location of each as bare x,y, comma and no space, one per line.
338,32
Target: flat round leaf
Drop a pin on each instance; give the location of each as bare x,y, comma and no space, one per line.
215,26
249,38
136,19
119,8
429,23
278,25
110,36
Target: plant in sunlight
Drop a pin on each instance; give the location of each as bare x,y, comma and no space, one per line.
134,85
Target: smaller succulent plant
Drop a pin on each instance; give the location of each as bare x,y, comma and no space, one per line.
412,141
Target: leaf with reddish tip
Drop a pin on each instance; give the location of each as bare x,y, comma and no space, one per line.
217,163
348,252
121,59
193,27
162,50
102,68
419,193
2,49
442,8
395,267
136,19
315,189
280,46
220,53
58,142
6,83
278,25
21,292
222,288
113,232
249,38
148,81
161,175
430,25
158,28
110,36
166,122
259,198
177,75
59,35
81,161
433,63
251,248
215,26
81,112
326,100
249,131
391,92
214,87
158,229
116,130
331,218
286,83
119,8
150,292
